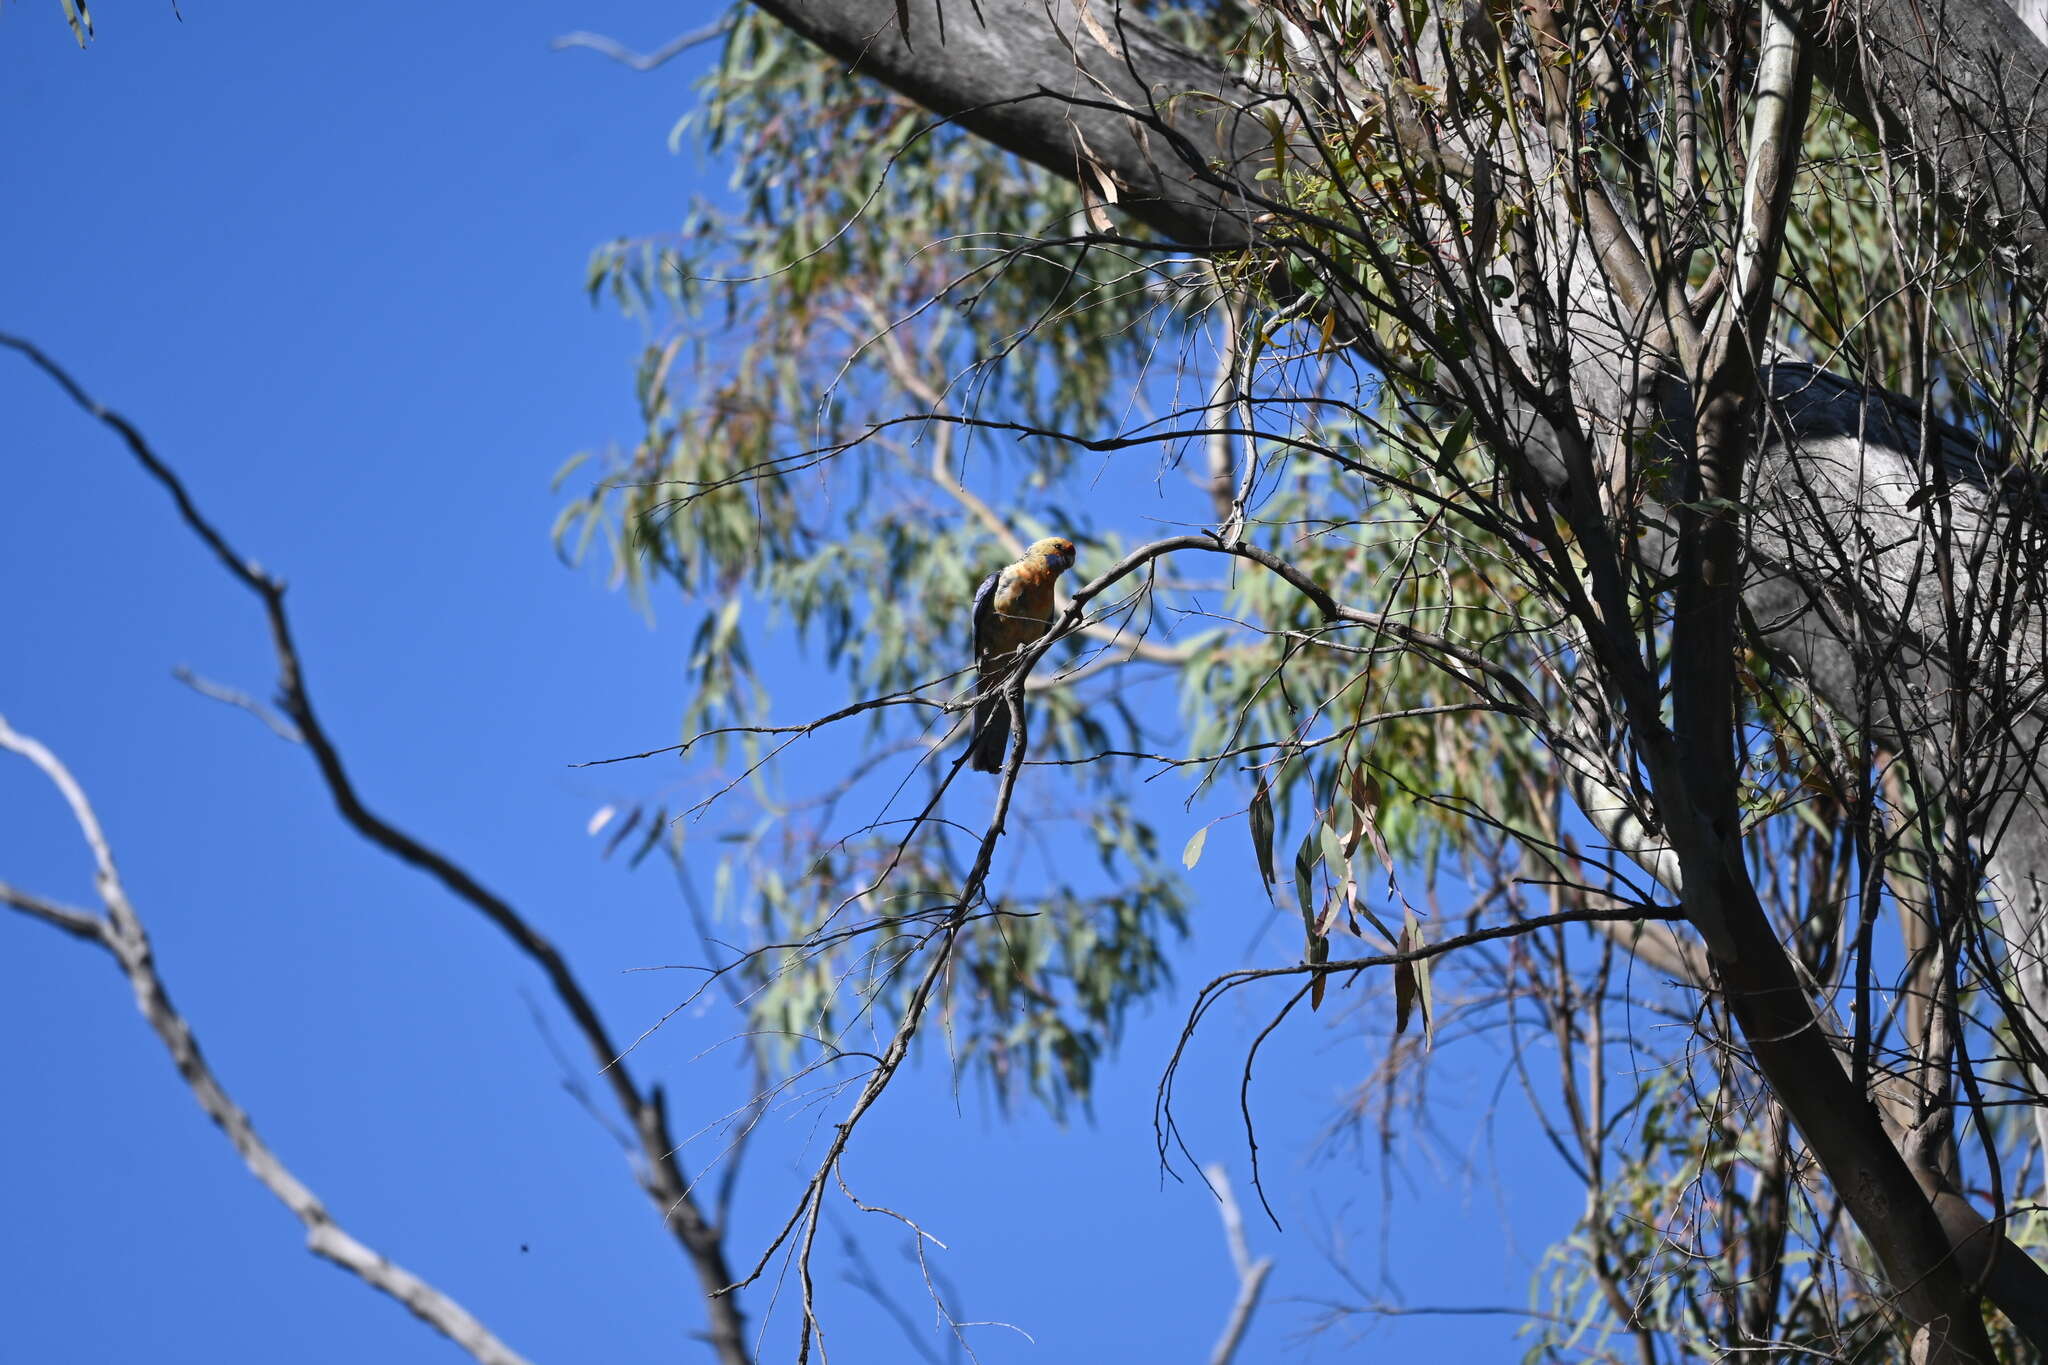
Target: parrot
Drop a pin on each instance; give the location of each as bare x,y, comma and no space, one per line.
1013,608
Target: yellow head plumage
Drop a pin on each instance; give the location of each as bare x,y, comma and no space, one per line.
1055,552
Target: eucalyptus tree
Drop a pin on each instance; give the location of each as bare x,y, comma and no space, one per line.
1608,432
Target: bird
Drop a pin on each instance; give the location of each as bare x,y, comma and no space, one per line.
1013,608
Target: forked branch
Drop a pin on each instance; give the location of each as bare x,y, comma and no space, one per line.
120,931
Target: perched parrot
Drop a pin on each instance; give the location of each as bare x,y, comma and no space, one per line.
1012,609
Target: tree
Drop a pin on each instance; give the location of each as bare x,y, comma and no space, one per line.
1615,425
1610,508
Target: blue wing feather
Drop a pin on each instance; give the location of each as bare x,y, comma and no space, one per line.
984,609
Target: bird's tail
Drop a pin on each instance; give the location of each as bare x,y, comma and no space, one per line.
991,729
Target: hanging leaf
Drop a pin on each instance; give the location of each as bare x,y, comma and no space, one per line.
80,18
656,828
1318,949
1460,432
1404,990
1340,876
1192,854
1354,830
1365,799
1411,983
619,836
1304,878
1262,831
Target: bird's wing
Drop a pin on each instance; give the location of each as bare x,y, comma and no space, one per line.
985,612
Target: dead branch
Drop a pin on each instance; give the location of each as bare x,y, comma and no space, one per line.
120,931
659,1169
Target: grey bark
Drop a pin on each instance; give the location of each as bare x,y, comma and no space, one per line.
1959,88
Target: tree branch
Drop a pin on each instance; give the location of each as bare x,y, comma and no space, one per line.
122,934
642,61
660,1171
1959,89
1251,1275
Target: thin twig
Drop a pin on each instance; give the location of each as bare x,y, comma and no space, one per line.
642,61
241,701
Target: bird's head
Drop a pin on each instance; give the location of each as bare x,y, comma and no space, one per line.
1056,552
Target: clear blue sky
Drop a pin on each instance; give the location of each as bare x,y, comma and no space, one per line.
329,257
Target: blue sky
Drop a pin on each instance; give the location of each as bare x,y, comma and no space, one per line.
330,259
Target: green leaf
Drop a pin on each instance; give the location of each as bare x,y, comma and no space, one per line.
1411,983
1454,440
1304,877
1332,849
1262,831
1318,948
1192,854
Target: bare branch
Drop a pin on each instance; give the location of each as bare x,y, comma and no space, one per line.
660,1172
642,61
241,701
78,923
1251,1275
122,934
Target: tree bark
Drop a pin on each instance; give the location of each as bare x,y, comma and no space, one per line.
1959,88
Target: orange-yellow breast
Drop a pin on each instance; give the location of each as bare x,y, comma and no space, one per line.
1021,608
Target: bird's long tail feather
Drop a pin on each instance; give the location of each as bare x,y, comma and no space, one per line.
991,733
